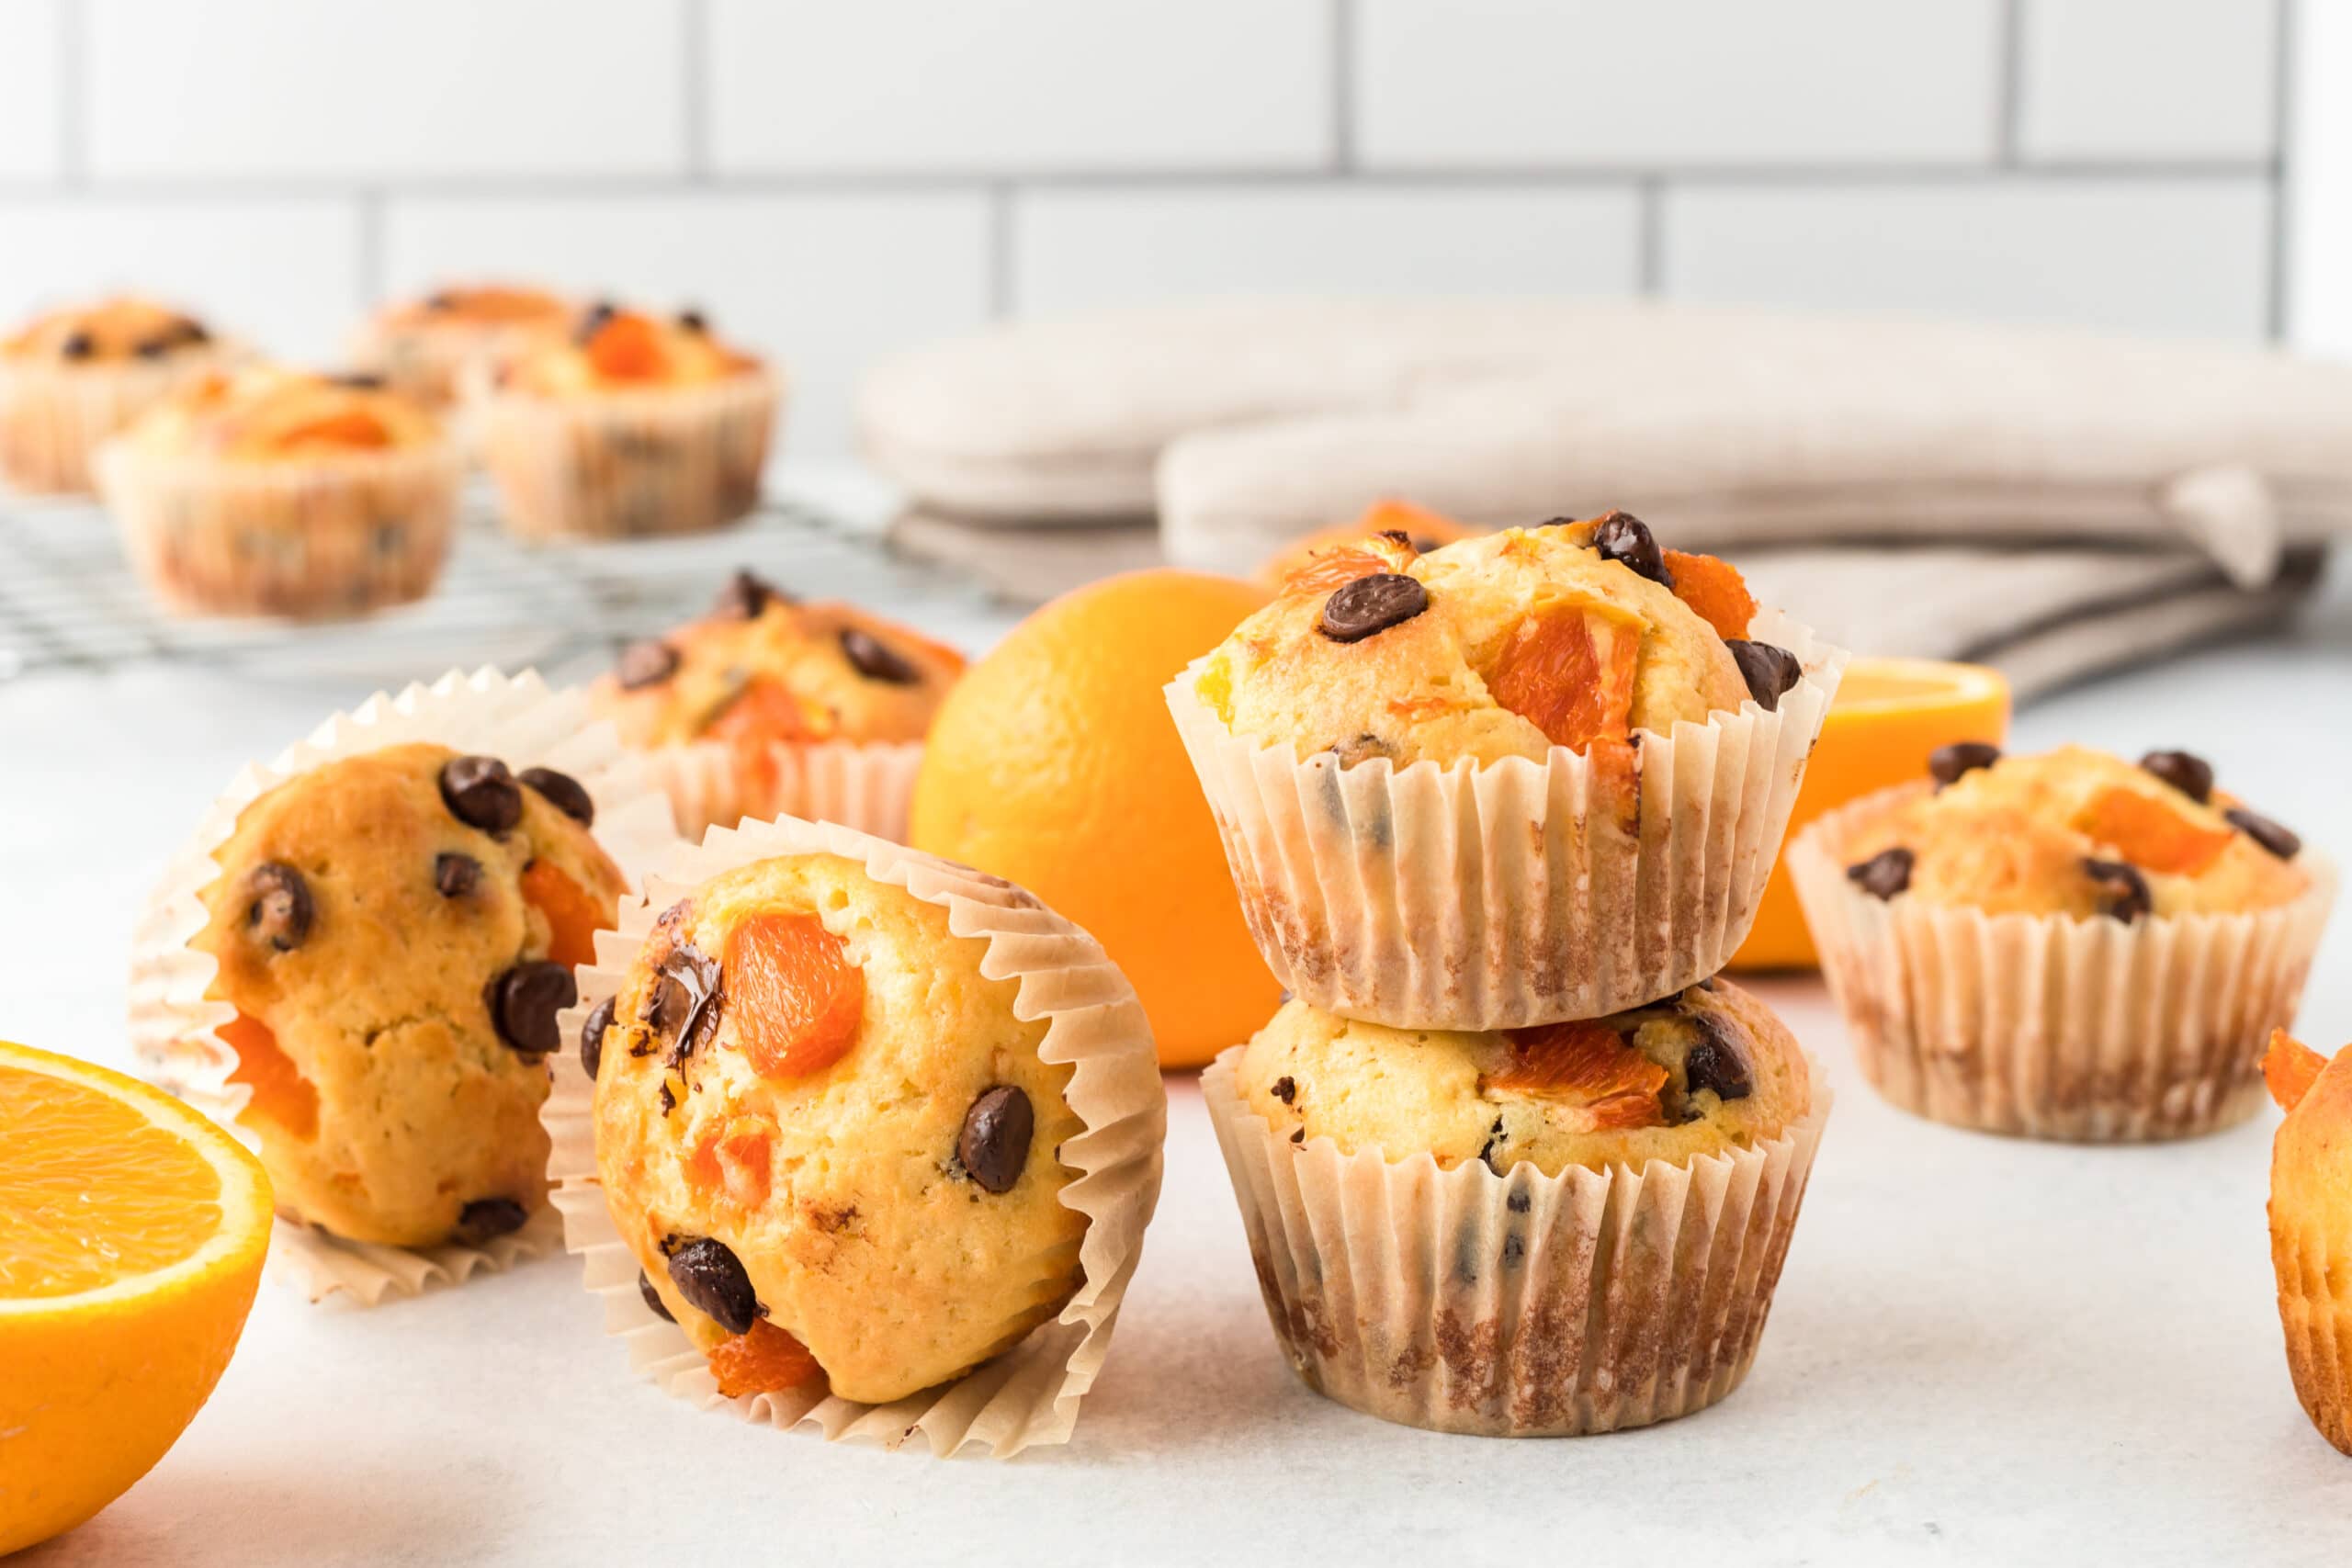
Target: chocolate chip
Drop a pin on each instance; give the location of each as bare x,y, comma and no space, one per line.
647,663
2276,837
1624,538
1520,1203
456,876
480,792
2185,771
563,792
1948,765
1769,672
1715,1062
669,1100
711,1278
660,1308
1487,1150
1399,536
1706,985
1286,1089
78,345
280,911
694,321
157,347
441,299
2122,891
876,659
592,1037
1298,1135
686,1000
524,1001
358,381
593,320
486,1217
1372,604
192,331
1885,875
994,1144
743,596
1423,544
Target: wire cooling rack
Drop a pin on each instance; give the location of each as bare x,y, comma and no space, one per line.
70,601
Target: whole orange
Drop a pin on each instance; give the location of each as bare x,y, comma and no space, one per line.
1054,764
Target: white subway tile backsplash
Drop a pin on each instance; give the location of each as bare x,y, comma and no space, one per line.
1601,82
2148,78
1079,248
2172,256
29,107
283,274
822,284
1015,85
268,88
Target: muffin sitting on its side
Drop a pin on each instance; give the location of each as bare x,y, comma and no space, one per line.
70,378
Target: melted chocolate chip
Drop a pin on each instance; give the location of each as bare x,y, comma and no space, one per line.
1370,605
358,381
2122,891
2185,771
711,1278
1715,1062
456,876
524,1001
1769,672
743,596
2276,837
1624,538
994,1144
486,1217
281,911
694,321
592,1037
1885,875
78,345
441,299
1298,1135
653,1301
593,320
686,1000
1398,535
1285,1088
563,792
157,347
647,663
1949,764
878,660
480,792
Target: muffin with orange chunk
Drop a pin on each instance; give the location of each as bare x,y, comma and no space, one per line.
394,933
1420,527
2065,946
2311,1225
1534,775
71,378
276,492
630,425
1431,1210
770,707
423,346
815,1115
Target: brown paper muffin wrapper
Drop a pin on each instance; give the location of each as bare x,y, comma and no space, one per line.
865,784
320,538
174,1024
1029,1395
1520,1305
2048,1026
54,417
1511,894
676,460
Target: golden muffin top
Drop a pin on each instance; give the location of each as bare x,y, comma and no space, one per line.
110,331
1704,1071
273,414
1572,634
1423,529
2076,832
615,350
763,666
478,306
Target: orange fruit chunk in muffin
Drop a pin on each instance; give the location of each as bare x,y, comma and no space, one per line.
1588,1061
737,1157
1568,669
1341,564
2151,834
763,711
801,1000
574,916
765,1361
280,1090
1714,589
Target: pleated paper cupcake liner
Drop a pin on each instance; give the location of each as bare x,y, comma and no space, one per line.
175,1025
54,417
318,538
1519,1305
676,460
865,784
1515,893
2309,1248
1029,1395
2048,1026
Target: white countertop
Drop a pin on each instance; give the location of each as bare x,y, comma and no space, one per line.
1982,1351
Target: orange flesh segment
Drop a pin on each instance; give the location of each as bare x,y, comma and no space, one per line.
1590,1063
627,348
1571,674
765,1361
343,430
1342,564
574,916
280,1090
736,1159
1714,590
2149,834
90,1191
762,712
797,999
2289,1067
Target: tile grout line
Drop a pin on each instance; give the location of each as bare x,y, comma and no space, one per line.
2282,181
2009,102
1342,63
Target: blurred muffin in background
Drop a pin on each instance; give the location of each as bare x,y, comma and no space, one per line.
276,492
423,346
1422,528
71,378
632,424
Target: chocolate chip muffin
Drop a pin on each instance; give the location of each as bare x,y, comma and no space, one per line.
2068,944
423,346
1422,529
769,706
71,378
827,1139
396,932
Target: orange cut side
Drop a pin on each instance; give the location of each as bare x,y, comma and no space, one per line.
765,1361
2289,1067
1569,671
1342,564
762,712
1589,1063
575,915
1714,590
2149,834
627,348
280,1092
795,998
737,1160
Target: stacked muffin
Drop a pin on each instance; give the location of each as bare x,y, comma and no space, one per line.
1511,1159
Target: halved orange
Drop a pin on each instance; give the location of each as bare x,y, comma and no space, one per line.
133,1232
